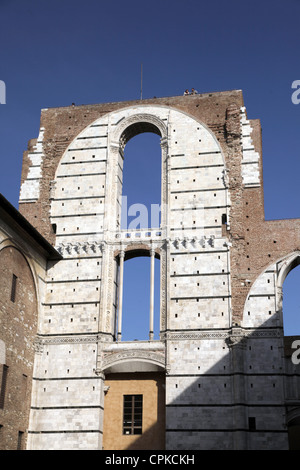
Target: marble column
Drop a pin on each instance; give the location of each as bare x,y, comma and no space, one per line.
151,322
121,279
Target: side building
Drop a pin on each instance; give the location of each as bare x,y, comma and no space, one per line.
24,254
217,377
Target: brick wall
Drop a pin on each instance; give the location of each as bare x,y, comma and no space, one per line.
18,326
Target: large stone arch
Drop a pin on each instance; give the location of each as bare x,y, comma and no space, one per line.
268,288
86,191
128,122
91,165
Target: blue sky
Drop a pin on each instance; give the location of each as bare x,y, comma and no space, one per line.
59,52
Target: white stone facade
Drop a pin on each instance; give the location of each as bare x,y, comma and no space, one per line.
212,369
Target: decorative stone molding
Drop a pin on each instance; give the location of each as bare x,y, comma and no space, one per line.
194,335
58,340
120,135
80,248
147,234
113,358
230,337
194,242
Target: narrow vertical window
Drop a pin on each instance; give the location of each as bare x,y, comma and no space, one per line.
252,423
13,288
20,440
3,385
24,387
132,414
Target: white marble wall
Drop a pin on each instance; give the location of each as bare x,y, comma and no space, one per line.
196,305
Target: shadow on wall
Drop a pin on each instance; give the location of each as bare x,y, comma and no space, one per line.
235,402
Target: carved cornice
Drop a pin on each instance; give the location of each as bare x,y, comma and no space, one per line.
229,336
194,241
78,248
41,341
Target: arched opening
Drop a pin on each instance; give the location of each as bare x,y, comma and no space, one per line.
139,286
138,313
141,189
291,301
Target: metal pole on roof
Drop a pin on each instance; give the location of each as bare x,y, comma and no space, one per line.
141,81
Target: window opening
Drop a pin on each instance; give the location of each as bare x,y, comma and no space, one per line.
132,414
3,385
13,288
20,440
136,299
252,423
141,191
140,209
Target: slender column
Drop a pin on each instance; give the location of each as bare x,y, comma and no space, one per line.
122,255
151,334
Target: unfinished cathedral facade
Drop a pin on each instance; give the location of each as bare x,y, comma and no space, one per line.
219,375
